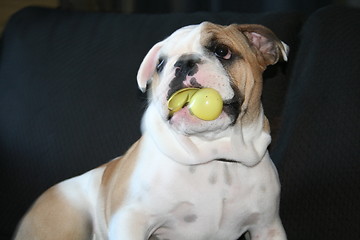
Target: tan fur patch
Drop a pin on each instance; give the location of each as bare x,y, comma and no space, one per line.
117,175
245,72
52,217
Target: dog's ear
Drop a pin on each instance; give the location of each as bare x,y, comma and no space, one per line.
266,42
148,66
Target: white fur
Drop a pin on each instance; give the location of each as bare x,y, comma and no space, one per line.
208,201
178,189
246,145
285,51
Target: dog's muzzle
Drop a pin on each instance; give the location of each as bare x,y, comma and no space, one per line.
186,67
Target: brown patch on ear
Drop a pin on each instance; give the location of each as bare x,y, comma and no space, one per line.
53,217
253,48
268,46
117,176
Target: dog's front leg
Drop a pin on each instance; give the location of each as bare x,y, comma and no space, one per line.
274,231
131,224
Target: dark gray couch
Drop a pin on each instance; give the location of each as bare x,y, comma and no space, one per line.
69,102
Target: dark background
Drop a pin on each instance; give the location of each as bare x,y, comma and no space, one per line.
9,7
57,118
165,6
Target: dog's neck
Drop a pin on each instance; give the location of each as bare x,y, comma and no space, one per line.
244,144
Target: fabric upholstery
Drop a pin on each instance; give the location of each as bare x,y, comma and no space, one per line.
319,144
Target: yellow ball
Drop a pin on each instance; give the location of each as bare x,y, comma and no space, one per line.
180,98
206,104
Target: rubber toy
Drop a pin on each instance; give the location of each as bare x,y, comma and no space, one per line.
204,103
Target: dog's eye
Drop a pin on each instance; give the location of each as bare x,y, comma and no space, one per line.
222,51
160,65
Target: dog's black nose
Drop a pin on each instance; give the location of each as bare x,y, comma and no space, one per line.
187,65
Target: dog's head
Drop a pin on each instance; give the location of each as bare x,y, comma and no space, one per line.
229,59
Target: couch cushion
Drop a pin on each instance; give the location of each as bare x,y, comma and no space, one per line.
68,93
319,143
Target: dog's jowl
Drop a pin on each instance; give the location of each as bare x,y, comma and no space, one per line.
186,178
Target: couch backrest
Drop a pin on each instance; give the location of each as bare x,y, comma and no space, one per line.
68,94
319,144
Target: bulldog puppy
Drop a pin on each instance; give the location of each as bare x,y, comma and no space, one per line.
185,178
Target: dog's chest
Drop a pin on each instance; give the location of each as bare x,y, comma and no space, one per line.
211,201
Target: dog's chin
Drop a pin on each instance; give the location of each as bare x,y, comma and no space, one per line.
186,123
